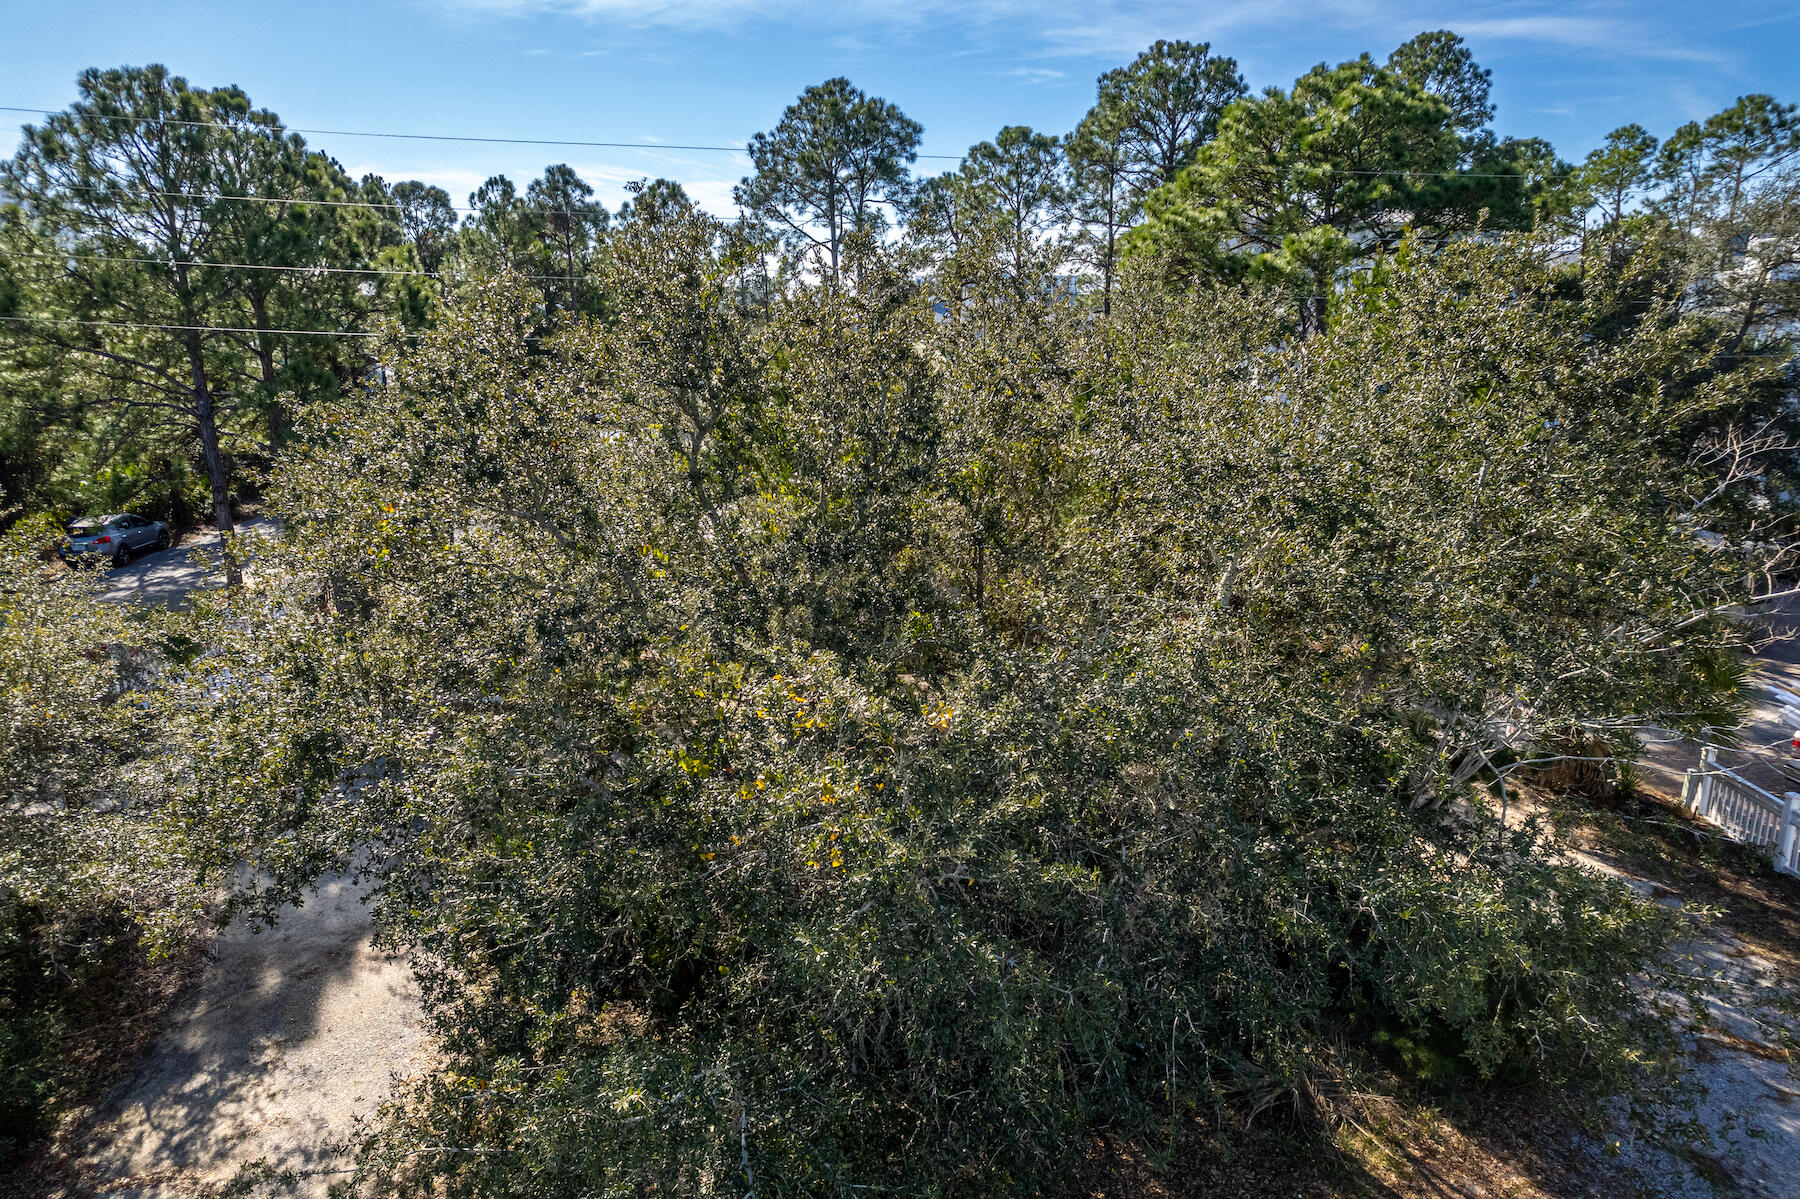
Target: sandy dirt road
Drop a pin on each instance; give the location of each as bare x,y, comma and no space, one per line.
290,1038
1752,1104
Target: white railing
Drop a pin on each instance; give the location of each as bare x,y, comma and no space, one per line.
1745,811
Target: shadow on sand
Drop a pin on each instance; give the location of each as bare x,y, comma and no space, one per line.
290,1036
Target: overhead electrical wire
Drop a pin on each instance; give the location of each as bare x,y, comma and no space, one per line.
58,320
417,137
69,320
392,207
150,193
537,141
582,276
465,209
259,266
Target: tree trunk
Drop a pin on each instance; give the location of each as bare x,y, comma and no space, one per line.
1112,242
569,263
831,224
215,461
265,356
980,567
1312,315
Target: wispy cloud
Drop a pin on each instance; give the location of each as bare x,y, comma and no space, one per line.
1593,33
708,182
458,181
1122,28
1076,29
701,181
1581,62
664,11
1085,26
695,14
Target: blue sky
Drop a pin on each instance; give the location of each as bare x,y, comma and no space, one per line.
716,71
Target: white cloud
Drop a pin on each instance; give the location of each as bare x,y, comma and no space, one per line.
458,181
1035,30
1082,18
707,190
688,14
714,195
1121,30
1603,34
630,9
700,178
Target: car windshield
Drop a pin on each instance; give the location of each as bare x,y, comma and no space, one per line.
84,528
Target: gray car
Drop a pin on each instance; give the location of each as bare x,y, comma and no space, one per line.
115,538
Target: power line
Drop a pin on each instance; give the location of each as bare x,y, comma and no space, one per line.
595,210
240,266
535,141
50,320
150,194
599,209
257,266
66,320
420,137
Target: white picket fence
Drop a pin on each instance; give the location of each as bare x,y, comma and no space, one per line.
1745,811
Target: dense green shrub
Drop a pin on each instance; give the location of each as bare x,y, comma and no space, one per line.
824,748
89,883
65,970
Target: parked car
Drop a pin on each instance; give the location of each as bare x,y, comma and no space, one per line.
114,538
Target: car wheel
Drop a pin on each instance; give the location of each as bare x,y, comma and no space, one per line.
162,540
122,557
